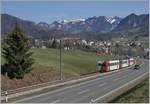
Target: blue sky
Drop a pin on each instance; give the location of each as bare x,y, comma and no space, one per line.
48,11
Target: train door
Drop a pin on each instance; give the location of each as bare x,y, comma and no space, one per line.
120,64
105,66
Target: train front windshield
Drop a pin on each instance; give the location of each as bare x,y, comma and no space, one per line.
99,65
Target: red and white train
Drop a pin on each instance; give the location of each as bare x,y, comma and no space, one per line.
105,66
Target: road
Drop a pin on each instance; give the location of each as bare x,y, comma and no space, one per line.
88,91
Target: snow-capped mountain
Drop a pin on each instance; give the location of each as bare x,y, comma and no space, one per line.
73,21
92,24
110,19
43,25
114,20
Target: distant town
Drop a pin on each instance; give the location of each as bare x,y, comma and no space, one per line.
119,46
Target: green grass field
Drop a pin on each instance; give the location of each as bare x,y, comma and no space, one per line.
139,94
74,62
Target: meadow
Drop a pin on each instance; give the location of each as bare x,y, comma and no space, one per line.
74,62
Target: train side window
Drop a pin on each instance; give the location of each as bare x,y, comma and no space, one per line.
112,64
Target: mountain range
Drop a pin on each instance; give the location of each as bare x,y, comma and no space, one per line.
98,26
92,24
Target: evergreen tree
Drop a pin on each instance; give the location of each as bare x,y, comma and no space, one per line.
17,54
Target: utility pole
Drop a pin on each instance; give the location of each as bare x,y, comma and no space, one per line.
60,61
6,93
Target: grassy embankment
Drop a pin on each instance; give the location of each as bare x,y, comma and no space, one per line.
139,94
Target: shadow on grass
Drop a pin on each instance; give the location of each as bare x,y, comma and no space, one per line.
3,69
